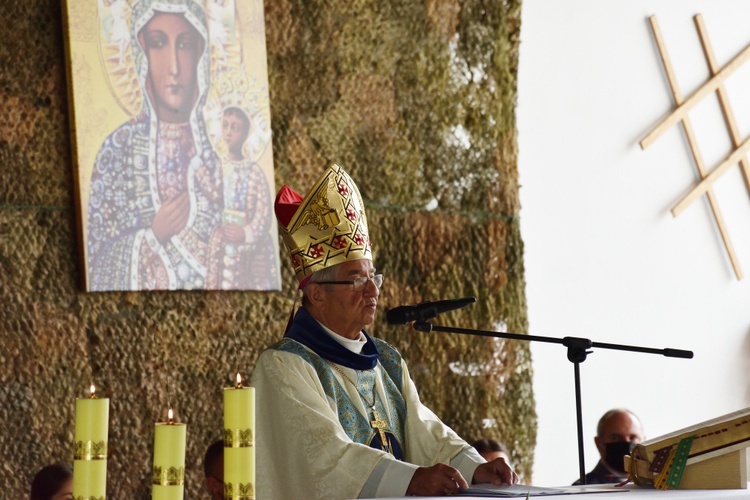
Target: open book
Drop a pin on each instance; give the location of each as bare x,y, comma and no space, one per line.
708,455
523,491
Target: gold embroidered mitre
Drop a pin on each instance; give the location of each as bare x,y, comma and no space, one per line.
326,227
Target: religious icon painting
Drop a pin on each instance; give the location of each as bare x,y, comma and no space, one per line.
172,144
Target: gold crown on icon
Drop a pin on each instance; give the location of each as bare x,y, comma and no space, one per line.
326,227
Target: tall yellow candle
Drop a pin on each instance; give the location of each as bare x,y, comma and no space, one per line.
90,456
239,442
168,478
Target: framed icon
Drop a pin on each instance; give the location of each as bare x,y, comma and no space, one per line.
172,144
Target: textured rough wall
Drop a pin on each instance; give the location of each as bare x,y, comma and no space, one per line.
416,100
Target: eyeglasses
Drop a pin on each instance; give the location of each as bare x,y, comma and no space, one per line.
358,284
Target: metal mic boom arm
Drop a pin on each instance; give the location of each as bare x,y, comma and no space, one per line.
577,352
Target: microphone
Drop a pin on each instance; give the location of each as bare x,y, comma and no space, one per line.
405,314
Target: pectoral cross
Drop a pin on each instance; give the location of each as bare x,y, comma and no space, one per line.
381,426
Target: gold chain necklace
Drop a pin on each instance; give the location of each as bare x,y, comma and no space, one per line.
364,398
377,423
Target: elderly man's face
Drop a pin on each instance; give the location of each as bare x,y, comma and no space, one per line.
346,311
173,47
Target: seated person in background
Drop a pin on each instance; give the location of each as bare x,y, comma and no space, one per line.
491,448
617,433
53,482
337,414
213,468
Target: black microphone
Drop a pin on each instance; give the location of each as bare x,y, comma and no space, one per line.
405,314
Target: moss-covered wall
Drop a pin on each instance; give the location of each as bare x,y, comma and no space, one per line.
415,98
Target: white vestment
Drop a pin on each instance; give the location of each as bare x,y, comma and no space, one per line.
304,452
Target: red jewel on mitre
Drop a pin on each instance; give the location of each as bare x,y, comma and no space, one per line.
286,204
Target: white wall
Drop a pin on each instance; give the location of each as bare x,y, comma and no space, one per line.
604,257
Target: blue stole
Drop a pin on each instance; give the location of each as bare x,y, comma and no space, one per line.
307,331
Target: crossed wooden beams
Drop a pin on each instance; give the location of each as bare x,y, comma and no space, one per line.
714,84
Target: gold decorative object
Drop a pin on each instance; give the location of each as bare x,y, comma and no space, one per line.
329,227
88,450
241,492
168,476
238,438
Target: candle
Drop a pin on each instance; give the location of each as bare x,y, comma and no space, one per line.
90,456
239,444
168,479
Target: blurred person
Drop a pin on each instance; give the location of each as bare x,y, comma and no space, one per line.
617,433
491,448
213,468
53,482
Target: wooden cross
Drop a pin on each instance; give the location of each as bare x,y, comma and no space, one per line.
380,426
714,84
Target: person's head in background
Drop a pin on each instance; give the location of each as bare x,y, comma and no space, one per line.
491,449
617,433
213,468
53,482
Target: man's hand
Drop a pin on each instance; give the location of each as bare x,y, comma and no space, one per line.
437,480
496,472
171,218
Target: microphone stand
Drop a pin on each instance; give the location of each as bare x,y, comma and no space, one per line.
577,352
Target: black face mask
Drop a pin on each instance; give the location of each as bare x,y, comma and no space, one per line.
614,453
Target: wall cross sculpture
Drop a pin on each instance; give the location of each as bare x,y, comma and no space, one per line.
679,115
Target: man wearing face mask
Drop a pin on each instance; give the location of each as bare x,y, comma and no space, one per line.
617,433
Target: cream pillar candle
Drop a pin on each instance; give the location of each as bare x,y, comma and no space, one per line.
239,442
90,456
168,478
